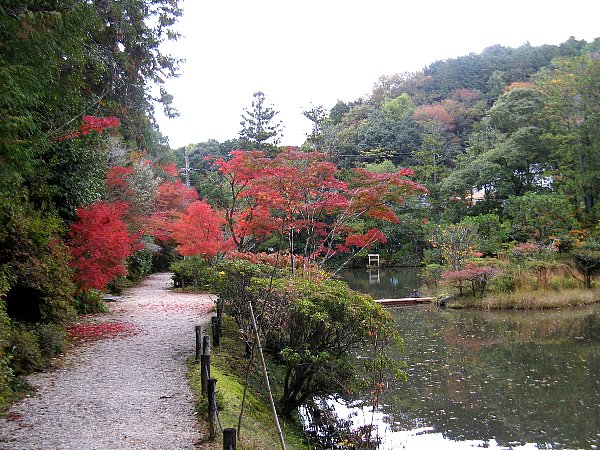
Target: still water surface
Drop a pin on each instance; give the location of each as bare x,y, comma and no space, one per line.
382,283
480,379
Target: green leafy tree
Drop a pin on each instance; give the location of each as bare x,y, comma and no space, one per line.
318,116
320,324
36,279
349,121
505,153
586,259
572,112
540,217
491,232
456,243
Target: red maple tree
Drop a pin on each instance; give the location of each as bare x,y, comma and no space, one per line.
100,244
172,198
309,206
198,231
92,123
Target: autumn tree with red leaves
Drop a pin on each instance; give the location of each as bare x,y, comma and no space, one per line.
310,207
172,198
198,231
247,220
91,123
100,244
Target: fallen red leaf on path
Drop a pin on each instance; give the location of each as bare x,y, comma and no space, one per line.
94,332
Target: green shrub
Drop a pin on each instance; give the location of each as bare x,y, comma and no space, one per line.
563,283
165,255
314,327
90,301
25,354
194,271
491,232
139,264
503,282
51,339
232,281
431,274
118,285
6,372
41,287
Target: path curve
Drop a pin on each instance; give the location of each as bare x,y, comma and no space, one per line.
128,391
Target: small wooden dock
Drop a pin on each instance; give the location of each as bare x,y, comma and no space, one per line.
389,302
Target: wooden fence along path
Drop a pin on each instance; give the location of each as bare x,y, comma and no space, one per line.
208,384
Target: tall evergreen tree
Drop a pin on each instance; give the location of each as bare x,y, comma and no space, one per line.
259,125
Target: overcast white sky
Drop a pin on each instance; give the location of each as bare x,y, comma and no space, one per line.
313,52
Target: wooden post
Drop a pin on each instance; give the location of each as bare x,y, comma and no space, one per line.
219,315
206,344
212,412
205,364
215,330
198,330
229,439
204,372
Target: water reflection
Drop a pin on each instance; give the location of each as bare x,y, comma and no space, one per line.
382,283
494,380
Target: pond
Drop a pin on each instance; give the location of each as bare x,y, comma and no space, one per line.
383,282
507,380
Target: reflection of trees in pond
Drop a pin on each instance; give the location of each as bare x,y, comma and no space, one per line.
382,282
512,377
327,430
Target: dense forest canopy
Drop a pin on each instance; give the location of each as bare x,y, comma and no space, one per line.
91,193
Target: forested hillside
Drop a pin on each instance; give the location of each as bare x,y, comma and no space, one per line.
477,130
504,146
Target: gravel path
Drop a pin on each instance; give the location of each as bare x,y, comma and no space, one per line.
126,389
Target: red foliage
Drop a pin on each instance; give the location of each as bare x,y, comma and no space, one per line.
469,273
243,166
99,244
171,169
436,113
198,231
116,177
175,196
364,240
300,193
171,198
255,221
475,274
465,95
91,123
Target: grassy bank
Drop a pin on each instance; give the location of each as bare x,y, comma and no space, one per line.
258,430
539,299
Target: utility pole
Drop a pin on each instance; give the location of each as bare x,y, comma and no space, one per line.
187,167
